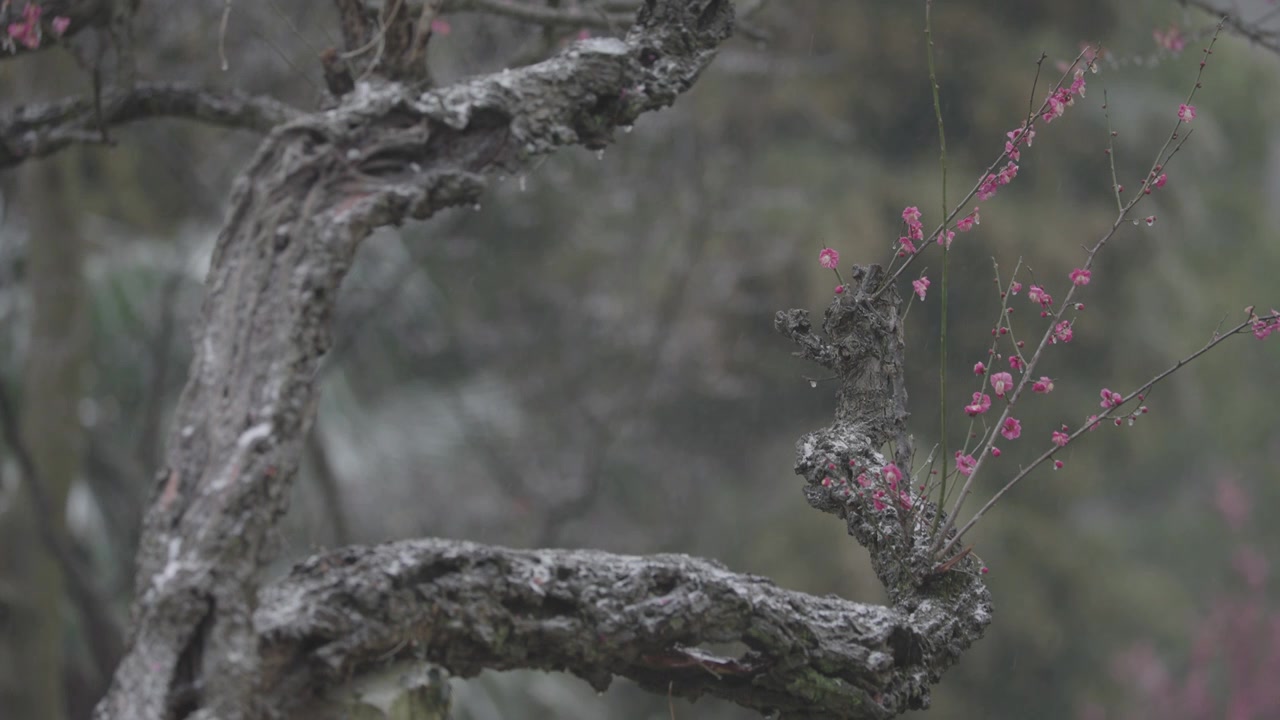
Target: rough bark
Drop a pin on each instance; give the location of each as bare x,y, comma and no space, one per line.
209,642
318,186
672,623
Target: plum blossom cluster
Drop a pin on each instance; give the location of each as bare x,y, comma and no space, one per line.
1062,332
993,182
1112,400
915,231
920,286
911,241
1055,106
1004,385
29,32
881,489
1263,327
1041,297
1154,181
1064,97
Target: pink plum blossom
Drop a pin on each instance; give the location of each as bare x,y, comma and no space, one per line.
1038,294
27,32
1043,385
920,286
1007,173
988,188
1001,383
1018,137
1080,276
876,502
1062,332
829,259
965,463
1011,429
981,403
1186,113
1077,85
892,475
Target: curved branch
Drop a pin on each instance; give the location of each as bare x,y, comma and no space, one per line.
1251,31
38,130
315,189
663,621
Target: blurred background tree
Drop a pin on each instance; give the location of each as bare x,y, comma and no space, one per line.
588,360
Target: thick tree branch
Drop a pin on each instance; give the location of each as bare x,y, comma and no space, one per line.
1268,38
318,186
672,623
38,130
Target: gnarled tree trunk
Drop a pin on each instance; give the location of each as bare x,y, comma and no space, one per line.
209,641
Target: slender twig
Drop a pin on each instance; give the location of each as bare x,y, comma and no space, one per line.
1111,153
1027,372
1139,393
222,35
42,129
1027,125
379,39
946,249
1001,321
1250,31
